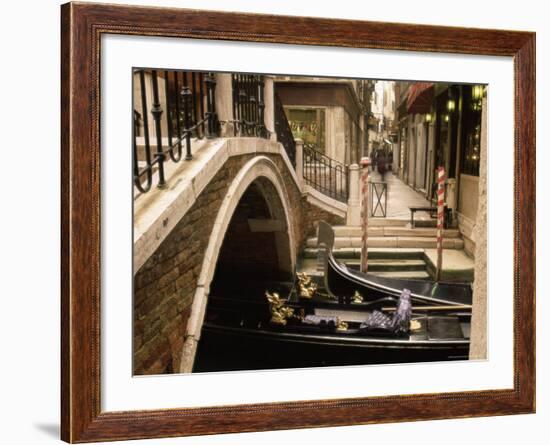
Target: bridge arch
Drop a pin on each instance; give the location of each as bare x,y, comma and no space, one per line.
258,190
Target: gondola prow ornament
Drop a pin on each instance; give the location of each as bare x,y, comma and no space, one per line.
306,287
280,312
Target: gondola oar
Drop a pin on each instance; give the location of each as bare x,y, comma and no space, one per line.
464,307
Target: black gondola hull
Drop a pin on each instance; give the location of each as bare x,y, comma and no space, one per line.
224,348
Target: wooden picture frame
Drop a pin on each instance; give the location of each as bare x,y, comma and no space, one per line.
82,26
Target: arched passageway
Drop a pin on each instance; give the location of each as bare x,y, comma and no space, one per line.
252,244
255,255
256,246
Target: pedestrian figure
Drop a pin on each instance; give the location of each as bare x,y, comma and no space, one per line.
373,156
381,165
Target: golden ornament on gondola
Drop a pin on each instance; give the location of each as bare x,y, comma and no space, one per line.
357,297
342,325
306,287
280,312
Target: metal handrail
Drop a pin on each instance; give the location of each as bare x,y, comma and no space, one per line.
327,175
283,131
187,111
248,105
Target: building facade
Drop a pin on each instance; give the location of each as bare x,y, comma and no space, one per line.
440,125
328,114
382,119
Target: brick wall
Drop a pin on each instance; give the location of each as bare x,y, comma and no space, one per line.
165,285
311,214
245,253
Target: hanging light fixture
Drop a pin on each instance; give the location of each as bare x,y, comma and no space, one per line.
477,92
451,105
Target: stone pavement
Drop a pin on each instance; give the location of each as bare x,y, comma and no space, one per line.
401,197
457,265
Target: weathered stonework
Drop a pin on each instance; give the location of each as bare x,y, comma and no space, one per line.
164,287
311,215
478,341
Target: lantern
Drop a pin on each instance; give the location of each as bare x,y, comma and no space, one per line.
477,92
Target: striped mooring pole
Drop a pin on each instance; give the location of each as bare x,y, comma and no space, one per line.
440,219
365,162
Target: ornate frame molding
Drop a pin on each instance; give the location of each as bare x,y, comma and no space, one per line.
82,28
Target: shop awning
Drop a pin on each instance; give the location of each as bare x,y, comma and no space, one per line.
420,98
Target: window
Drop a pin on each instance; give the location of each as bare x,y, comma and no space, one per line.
471,127
308,124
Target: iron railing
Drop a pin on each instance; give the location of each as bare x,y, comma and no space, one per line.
181,105
283,131
327,175
379,199
248,105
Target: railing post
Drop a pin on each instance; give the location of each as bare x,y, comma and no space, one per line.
156,111
177,157
147,146
224,104
185,98
261,108
253,104
300,160
353,217
212,127
365,162
241,106
269,111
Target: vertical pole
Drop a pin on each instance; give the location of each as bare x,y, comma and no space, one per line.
144,114
201,105
185,98
261,108
365,162
440,219
168,112
156,111
300,161
212,122
177,157
353,217
235,99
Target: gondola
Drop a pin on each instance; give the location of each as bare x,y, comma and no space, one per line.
244,330
342,282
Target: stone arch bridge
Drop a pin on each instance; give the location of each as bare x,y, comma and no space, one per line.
238,207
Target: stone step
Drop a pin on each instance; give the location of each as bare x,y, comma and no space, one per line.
374,252
409,274
383,222
356,231
309,266
390,265
392,241
457,265
401,222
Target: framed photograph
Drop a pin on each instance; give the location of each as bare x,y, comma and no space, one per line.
274,222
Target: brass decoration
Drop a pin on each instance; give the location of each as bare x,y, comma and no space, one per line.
415,325
306,287
280,312
341,326
357,297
